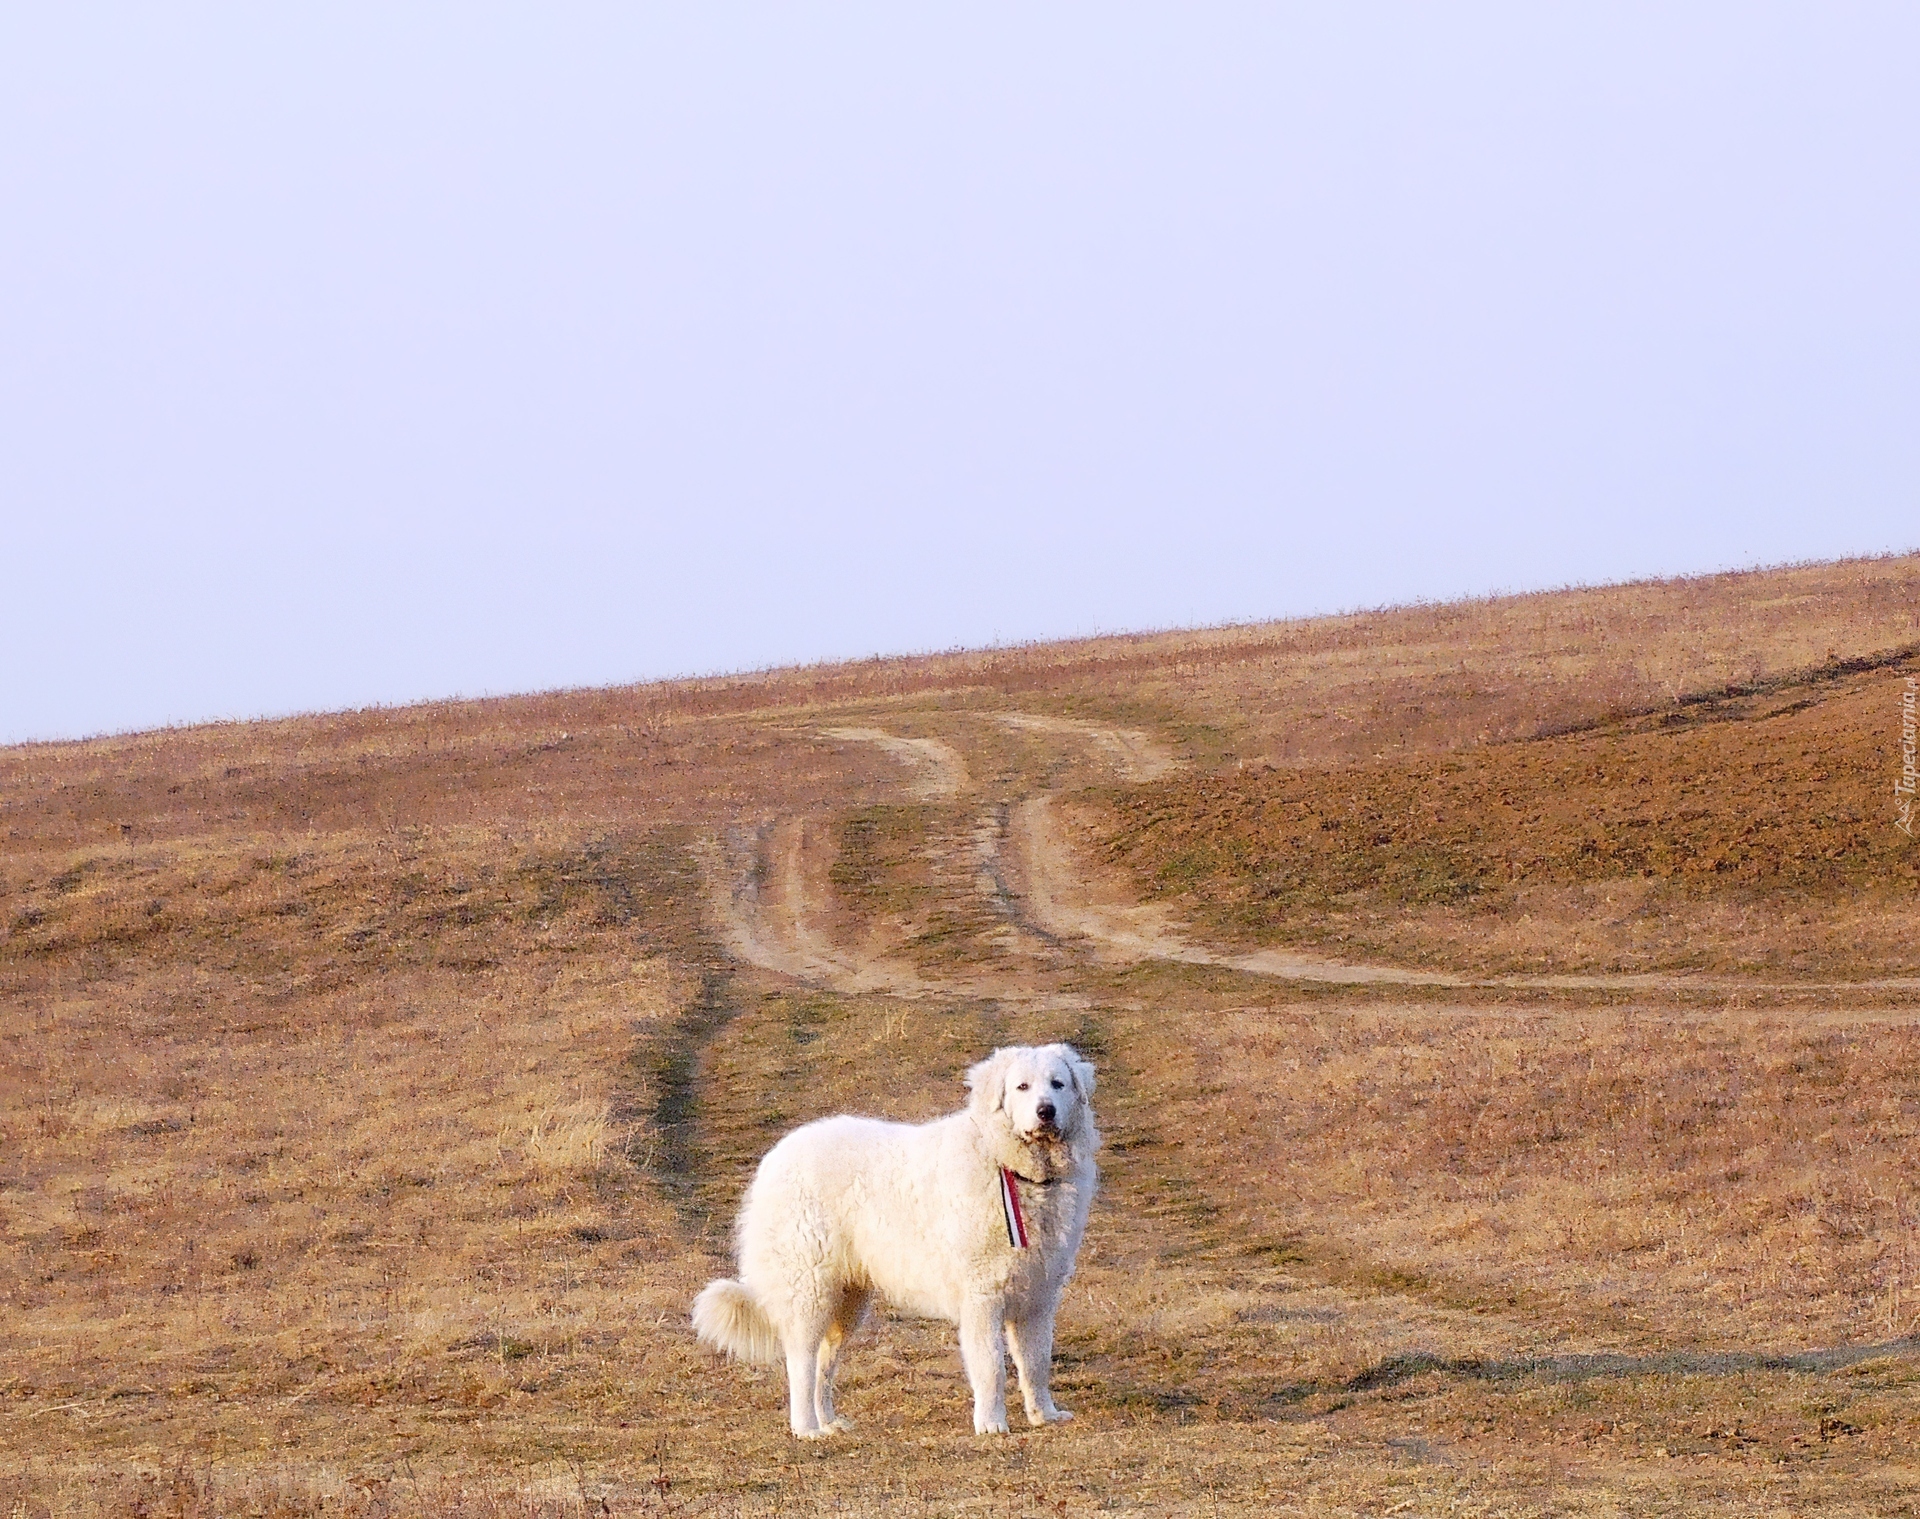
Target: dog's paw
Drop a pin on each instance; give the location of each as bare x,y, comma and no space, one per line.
1052,1416
840,1424
826,1433
989,1426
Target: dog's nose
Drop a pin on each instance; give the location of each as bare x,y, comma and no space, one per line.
1045,1111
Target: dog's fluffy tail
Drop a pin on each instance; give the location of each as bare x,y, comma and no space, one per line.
726,1316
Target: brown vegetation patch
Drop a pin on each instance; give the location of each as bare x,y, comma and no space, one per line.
1723,1181
1772,805
881,866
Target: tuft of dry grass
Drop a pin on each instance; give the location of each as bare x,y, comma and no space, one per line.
568,1142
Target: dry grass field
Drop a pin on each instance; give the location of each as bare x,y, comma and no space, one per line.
1508,1016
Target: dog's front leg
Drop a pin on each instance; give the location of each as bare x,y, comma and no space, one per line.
983,1350
1032,1343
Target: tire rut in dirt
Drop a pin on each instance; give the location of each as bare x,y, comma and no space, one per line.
651,886
993,842
666,1097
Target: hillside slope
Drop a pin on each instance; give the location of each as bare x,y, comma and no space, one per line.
1505,1012
1750,830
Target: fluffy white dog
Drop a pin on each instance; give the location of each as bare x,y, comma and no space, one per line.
975,1218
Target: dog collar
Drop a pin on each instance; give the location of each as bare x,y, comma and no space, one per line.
1010,1206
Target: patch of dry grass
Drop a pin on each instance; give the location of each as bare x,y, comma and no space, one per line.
1718,1179
374,1094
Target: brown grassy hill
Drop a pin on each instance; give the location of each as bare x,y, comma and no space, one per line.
375,1088
1748,830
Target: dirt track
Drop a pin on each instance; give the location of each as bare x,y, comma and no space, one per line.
1137,756
772,911
383,1084
939,772
767,890
770,887
1065,900
1058,916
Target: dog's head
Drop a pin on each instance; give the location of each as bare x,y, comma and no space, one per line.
1044,1095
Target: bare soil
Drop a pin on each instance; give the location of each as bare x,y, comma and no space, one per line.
1775,805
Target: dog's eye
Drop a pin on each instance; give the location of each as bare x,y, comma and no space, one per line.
1056,1084
1023,1086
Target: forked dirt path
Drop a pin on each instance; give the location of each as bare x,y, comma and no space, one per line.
770,895
1175,1234
773,899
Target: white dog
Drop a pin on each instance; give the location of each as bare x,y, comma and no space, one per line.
974,1218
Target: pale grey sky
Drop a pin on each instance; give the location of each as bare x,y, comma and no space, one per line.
359,353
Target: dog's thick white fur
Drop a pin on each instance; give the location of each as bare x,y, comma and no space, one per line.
848,1208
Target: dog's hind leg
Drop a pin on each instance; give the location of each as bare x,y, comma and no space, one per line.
983,1350
1031,1341
803,1355
847,1314
803,1335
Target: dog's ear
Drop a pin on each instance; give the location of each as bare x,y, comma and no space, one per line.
988,1083
1082,1070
